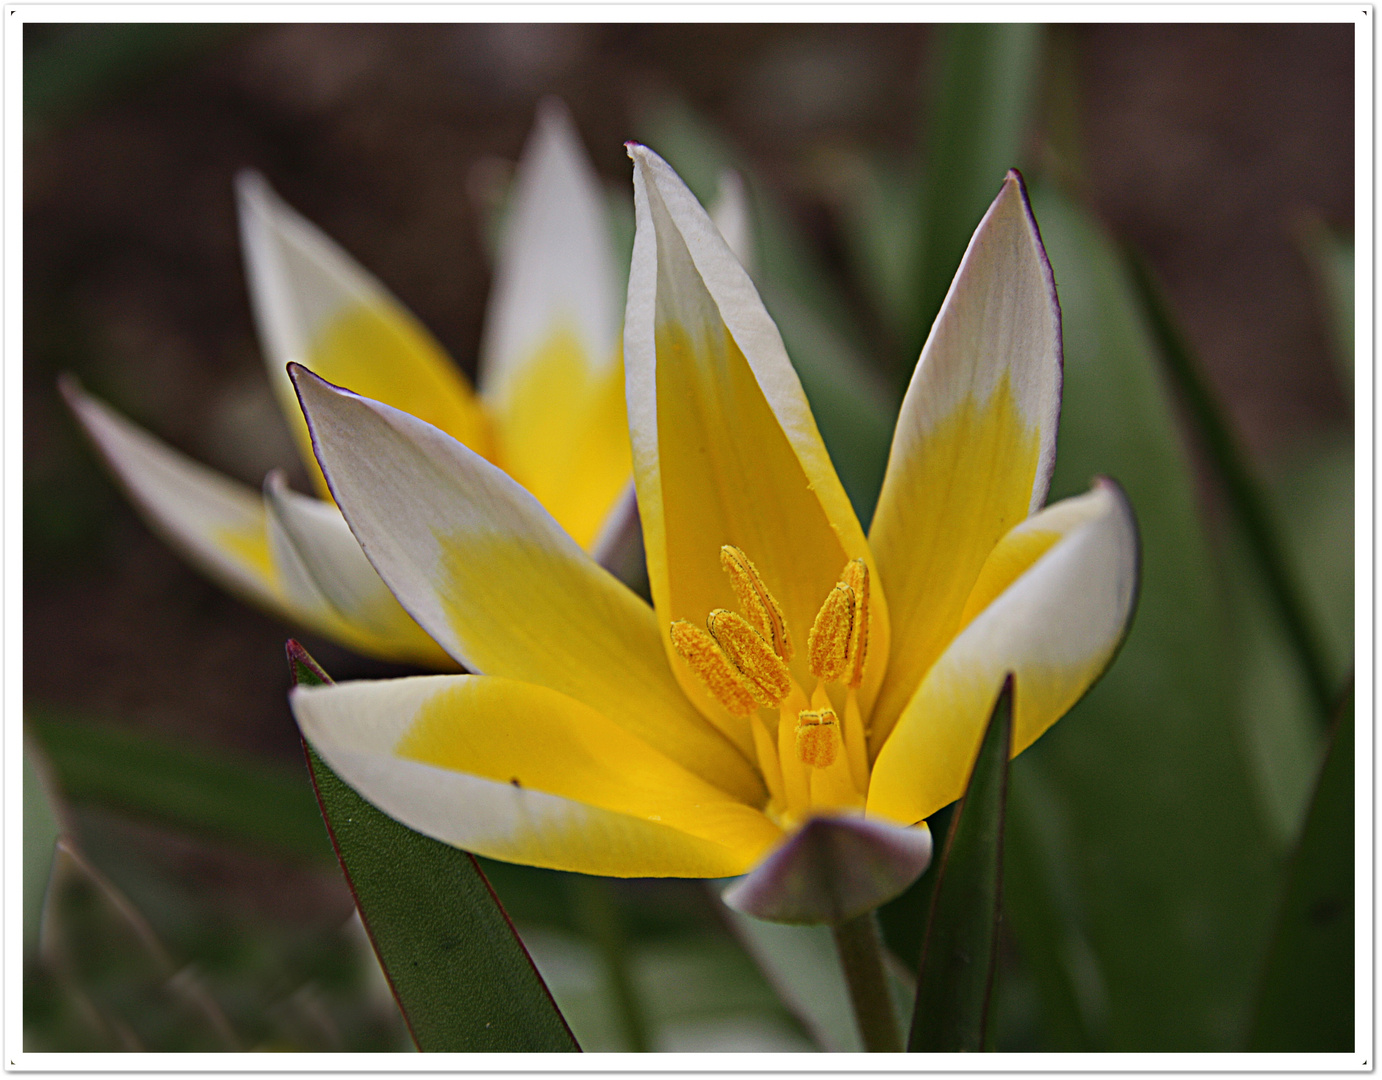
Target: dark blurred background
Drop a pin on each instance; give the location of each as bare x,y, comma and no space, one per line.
1218,150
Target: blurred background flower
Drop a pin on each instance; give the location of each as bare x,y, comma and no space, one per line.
1149,833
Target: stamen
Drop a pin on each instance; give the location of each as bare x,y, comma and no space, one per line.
762,610
856,576
827,646
752,655
714,668
818,737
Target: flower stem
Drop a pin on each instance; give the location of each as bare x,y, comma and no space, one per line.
861,955
597,910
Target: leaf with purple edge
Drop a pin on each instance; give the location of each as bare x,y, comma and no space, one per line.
457,967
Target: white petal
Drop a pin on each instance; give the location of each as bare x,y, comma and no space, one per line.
975,439
556,260
299,279
1056,627
731,216
232,534
317,543
519,772
495,581
217,524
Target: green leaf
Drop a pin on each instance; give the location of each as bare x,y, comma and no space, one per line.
1305,1002
455,964
219,795
1331,261
41,832
1044,910
982,97
960,951
115,982
1243,494
1164,859
1313,499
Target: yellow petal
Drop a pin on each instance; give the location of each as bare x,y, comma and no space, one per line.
495,581
725,448
519,772
314,304
975,440
556,271
1056,627
227,531
549,364
564,434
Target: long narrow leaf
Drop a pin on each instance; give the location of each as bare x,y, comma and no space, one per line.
41,832
457,967
1244,494
984,89
1042,909
1167,861
1305,1002
958,955
219,795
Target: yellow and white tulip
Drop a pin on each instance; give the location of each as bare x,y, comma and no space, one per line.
790,671
550,407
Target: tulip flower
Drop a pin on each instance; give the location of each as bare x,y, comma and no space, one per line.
798,698
549,411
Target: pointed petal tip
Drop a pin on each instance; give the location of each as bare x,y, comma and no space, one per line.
249,182
275,482
303,376
70,387
255,199
552,110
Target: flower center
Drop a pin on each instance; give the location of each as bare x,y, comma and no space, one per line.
811,759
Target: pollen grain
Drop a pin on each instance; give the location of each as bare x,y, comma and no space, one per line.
759,605
730,688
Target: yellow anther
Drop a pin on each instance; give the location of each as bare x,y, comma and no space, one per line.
721,677
818,737
762,610
753,656
856,576
827,646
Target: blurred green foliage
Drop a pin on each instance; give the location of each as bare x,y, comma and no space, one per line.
959,953
1149,840
983,98
236,799
70,68
1305,1001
